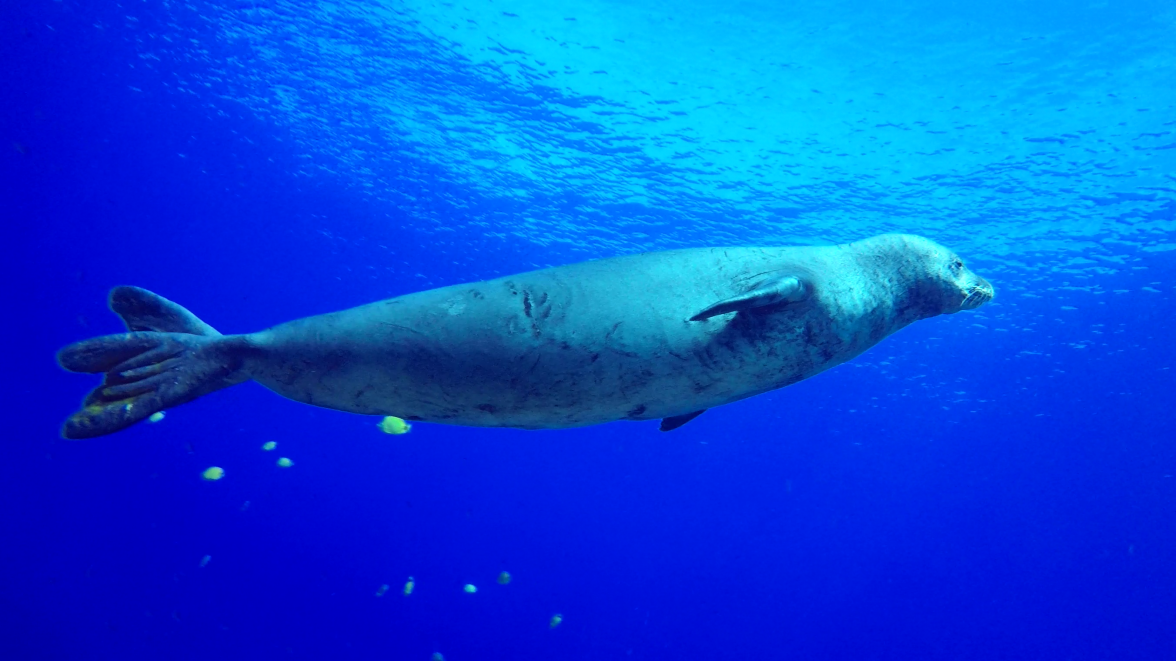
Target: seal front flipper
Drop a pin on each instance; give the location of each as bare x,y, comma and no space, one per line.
674,421
783,289
169,358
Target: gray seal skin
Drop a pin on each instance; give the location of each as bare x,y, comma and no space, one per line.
655,335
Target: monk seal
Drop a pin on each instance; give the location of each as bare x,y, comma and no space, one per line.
656,335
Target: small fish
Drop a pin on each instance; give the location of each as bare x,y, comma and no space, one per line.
393,425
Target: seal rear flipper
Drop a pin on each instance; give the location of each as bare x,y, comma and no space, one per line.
142,310
170,357
674,421
783,289
147,372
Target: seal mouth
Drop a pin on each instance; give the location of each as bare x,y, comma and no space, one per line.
980,293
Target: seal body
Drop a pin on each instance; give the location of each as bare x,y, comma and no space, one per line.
654,335
608,339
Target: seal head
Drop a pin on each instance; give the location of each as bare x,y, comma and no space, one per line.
940,282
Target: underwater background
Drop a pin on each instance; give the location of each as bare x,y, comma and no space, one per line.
997,484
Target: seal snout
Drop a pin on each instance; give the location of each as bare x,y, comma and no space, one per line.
979,293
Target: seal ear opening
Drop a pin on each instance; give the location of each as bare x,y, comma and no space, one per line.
784,289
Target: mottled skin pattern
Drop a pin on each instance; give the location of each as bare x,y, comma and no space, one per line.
609,339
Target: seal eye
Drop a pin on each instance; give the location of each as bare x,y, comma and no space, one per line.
957,266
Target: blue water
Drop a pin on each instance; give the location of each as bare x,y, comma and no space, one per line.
996,484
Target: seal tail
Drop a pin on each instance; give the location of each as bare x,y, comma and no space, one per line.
167,357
